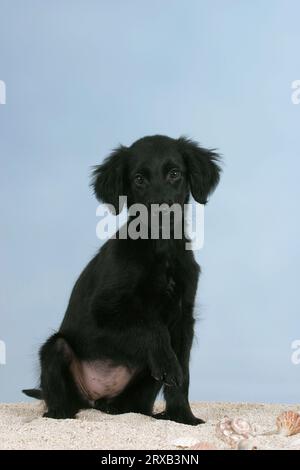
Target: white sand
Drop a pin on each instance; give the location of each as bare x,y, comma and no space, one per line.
22,427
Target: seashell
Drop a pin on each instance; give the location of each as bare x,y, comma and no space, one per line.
203,445
224,426
288,423
247,444
232,431
241,426
185,442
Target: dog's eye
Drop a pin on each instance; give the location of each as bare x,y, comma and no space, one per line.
139,180
174,174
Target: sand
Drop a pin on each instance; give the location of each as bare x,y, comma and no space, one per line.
22,427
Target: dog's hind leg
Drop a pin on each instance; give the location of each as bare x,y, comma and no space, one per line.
59,390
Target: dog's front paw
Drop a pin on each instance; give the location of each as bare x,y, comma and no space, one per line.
183,418
167,371
191,420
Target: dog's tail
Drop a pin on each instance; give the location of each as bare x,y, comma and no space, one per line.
34,393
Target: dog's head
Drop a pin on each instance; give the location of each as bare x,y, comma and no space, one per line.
157,170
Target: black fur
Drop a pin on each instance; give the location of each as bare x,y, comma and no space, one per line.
134,301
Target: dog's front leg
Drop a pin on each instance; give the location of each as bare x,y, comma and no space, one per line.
163,362
177,403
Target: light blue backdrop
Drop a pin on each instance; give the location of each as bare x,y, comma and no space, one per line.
83,76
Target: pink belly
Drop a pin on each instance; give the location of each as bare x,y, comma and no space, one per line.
101,378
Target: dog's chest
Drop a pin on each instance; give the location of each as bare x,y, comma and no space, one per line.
164,282
165,293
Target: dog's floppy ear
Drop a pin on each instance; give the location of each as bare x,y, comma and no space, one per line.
202,166
108,179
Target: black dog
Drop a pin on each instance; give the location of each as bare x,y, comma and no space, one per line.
128,328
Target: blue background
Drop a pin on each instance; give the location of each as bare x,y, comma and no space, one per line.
82,76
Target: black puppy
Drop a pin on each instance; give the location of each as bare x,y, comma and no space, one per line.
128,328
